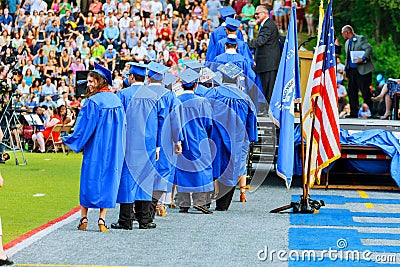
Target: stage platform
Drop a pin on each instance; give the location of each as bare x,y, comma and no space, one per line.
348,179
351,125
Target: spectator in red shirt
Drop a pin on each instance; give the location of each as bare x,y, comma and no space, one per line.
165,33
238,6
95,6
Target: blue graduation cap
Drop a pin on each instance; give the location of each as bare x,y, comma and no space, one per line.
188,77
227,11
193,64
138,69
232,24
169,79
230,70
218,78
231,41
156,70
105,73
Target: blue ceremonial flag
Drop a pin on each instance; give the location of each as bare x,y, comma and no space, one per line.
286,90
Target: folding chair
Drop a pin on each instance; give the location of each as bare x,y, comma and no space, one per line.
54,140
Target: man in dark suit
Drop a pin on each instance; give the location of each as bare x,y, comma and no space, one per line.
267,51
358,70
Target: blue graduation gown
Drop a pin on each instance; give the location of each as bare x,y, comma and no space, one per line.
167,159
200,90
238,60
242,49
235,126
194,166
216,35
99,130
144,118
251,83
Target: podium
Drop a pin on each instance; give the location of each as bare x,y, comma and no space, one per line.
305,58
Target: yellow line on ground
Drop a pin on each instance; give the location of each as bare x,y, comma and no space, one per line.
68,265
363,194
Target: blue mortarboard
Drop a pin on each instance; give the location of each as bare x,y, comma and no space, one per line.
218,78
230,70
227,11
188,77
169,79
231,41
193,64
138,69
105,73
156,70
232,24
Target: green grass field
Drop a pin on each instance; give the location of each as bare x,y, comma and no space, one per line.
54,175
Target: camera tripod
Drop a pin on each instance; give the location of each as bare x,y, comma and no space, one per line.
8,121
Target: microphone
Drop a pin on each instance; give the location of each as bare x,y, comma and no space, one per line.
308,40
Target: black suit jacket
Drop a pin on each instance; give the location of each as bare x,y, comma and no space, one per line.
267,51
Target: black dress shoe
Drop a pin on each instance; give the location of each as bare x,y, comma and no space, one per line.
121,226
147,226
6,262
184,210
203,209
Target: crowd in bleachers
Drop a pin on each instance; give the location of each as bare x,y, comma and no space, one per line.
51,42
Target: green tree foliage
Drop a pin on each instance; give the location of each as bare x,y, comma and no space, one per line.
378,21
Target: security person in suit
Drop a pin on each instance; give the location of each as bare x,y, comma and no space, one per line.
267,51
358,70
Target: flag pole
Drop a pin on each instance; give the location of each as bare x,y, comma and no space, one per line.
307,176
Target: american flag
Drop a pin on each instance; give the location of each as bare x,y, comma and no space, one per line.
321,101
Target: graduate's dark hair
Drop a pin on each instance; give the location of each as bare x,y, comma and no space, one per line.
101,83
230,46
139,78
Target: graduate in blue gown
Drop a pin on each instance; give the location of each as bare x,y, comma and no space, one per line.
231,56
126,195
144,117
194,166
220,33
250,82
235,126
98,131
242,47
163,179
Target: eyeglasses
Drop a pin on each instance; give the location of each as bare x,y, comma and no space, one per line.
257,13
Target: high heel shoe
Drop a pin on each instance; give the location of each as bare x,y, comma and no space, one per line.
243,195
161,211
172,205
102,226
386,117
377,98
83,224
